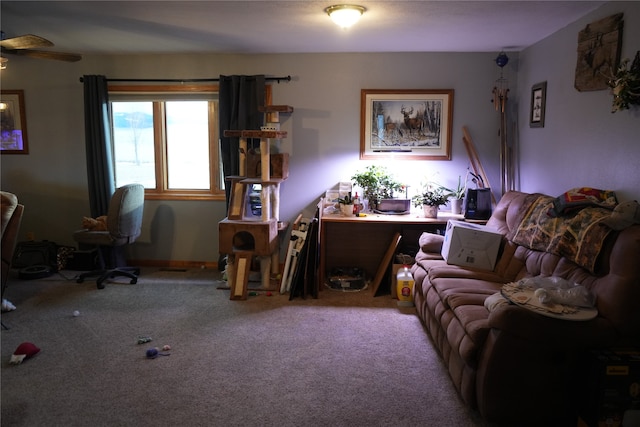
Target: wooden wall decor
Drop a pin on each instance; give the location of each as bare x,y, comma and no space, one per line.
599,46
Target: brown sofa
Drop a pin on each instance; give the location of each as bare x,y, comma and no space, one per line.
511,364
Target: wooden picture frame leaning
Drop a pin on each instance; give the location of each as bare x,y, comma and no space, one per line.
406,124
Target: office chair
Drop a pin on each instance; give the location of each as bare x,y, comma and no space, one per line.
124,220
11,219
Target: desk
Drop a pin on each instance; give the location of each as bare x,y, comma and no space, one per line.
349,241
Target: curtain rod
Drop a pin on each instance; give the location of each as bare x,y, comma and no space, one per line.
269,79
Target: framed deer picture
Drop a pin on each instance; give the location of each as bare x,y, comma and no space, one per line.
406,124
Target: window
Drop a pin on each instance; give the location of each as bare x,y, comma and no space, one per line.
166,138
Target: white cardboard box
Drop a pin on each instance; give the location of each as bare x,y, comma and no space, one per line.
470,245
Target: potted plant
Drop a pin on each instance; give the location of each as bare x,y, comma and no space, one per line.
625,85
346,205
457,195
430,198
377,184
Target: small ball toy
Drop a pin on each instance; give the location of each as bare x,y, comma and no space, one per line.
152,353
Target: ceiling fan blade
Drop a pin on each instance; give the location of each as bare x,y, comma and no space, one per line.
58,56
28,41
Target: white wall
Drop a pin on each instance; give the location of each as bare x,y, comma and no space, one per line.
324,133
582,142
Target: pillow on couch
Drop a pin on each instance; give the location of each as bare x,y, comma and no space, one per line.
578,198
430,242
624,215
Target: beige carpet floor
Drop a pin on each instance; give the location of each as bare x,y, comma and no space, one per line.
344,359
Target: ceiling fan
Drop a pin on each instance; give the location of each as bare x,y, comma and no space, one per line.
25,45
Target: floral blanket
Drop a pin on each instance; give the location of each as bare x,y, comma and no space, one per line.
578,236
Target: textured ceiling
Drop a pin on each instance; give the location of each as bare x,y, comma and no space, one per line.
98,27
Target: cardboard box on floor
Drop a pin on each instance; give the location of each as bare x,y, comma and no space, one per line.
471,245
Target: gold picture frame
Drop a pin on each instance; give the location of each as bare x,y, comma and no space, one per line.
406,124
13,123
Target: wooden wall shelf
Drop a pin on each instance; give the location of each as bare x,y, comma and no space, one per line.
276,109
268,134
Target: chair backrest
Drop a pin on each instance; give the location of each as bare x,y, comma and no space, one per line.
124,219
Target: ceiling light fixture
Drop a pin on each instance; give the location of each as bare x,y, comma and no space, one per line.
345,15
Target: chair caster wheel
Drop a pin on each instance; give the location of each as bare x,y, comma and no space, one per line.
79,280
100,285
133,281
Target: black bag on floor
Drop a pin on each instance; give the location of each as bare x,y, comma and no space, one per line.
36,254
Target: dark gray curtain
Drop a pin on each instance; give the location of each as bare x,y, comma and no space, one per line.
98,145
239,99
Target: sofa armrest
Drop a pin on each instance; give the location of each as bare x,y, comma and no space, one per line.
431,243
548,331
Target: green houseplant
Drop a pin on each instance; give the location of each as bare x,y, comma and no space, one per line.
459,191
431,197
376,183
346,205
457,194
625,85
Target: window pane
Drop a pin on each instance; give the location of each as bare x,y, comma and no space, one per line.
188,145
133,143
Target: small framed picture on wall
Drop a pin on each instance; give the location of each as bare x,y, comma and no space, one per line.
538,101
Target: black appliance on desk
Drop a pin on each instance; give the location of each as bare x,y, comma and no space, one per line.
477,204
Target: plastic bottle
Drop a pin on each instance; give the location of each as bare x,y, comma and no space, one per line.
356,205
405,287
